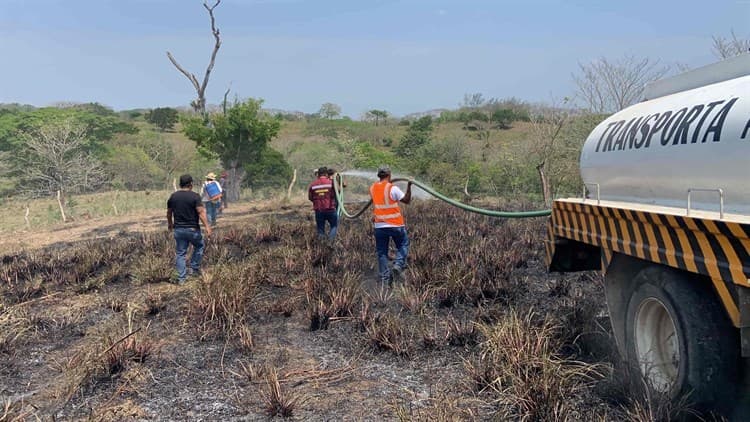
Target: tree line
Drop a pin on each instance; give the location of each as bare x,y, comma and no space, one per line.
78,148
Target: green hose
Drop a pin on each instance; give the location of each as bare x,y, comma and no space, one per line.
338,184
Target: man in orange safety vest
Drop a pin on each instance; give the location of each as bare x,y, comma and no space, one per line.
389,223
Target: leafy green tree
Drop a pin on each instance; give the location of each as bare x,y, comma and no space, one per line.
329,111
238,138
502,118
415,137
101,124
378,115
132,168
162,117
59,148
270,171
150,160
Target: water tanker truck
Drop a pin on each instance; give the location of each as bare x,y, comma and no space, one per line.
665,216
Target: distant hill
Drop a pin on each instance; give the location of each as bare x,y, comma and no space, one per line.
16,106
434,113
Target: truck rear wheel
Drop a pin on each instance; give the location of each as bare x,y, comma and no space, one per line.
679,336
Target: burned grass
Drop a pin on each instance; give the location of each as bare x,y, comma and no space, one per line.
272,326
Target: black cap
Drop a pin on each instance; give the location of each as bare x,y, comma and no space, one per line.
322,171
186,180
384,171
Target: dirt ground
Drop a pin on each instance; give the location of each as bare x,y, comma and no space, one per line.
108,227
52,368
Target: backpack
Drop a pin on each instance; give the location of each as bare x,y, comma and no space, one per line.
213,191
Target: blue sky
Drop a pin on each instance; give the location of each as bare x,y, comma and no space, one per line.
402,56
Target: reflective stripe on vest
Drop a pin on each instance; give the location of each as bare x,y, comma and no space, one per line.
384,209
327,186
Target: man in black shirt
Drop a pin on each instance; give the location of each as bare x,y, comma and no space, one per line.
184,209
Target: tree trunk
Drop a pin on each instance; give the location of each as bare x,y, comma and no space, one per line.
545,184
236,174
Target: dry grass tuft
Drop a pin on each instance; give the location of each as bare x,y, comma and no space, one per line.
112,350
388,332
411,299
267,232
332,298
245,339
639,401
14,325
462,333
155,303
519,364
116,304
14,411
224,300
381,297
153,268
127,410
285,306
277,401
249,371
440,407
130,348
319,314
654,406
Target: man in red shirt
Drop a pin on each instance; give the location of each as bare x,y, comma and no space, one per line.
323,197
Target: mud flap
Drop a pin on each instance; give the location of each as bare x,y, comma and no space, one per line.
744,305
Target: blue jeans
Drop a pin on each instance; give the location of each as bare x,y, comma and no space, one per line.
320,221
184,238
382,240
211,209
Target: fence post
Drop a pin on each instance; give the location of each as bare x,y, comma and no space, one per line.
62,209
114,206
26,218
291,185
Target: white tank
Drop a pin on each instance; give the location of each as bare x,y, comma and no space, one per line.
655,151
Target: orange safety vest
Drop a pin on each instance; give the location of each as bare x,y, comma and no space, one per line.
384,208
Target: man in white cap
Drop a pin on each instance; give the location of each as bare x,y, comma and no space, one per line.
211,193
389,223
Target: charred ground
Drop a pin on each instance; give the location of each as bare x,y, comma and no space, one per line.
280,324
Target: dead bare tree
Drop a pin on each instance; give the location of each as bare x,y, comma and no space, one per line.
724,48
547,123
558,134
606,86
199,104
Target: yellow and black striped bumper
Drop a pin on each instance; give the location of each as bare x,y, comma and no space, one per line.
717,249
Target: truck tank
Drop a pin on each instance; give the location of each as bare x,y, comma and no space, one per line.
688,138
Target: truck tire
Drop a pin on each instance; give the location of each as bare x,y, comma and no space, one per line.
679,336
